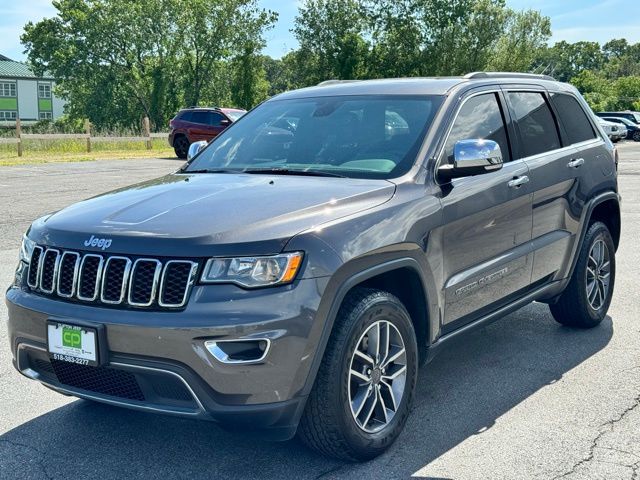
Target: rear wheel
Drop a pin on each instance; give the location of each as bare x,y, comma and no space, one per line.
636,136
363,391
181,146
585,301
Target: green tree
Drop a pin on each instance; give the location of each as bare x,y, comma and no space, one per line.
332,44
526,32
117,60
564,60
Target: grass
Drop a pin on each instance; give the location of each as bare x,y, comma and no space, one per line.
48,151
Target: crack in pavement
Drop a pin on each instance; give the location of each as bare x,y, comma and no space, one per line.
39,458
604,428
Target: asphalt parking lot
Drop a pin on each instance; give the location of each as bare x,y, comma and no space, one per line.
523,398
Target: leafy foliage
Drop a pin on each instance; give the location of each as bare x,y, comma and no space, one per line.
118,60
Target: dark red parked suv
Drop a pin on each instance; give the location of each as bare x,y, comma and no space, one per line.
199,123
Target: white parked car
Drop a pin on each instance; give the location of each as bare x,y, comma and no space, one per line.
614,131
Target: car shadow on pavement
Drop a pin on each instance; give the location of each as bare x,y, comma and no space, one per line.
460,394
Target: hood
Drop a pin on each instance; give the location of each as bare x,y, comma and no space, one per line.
190,215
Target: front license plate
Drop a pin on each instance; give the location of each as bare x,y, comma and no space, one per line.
72,343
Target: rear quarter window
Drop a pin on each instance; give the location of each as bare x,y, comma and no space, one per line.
576,124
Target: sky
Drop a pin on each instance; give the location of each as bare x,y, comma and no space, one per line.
571,20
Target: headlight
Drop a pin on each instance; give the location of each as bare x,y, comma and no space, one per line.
26,249
253,272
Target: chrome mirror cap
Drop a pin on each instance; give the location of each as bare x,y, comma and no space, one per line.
195,148
477,153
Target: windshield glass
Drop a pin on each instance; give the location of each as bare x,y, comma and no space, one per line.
372,136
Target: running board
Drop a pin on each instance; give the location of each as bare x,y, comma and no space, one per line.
488,319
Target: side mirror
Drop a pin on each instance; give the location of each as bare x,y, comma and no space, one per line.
195,148
225,121
472,157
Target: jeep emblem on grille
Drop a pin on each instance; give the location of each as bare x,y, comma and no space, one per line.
102,243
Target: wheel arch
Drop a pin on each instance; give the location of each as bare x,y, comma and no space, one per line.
383,276
605,207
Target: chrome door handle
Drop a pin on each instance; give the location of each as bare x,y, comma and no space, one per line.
518,181
575,163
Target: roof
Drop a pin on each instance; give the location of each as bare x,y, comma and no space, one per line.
417,85
12,69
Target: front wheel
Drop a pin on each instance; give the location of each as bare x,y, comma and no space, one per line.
585,301
636,136
363,391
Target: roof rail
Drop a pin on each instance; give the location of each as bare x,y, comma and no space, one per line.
334,82
204,107
532,76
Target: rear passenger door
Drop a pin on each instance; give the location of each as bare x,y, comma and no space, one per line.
556,158
487,219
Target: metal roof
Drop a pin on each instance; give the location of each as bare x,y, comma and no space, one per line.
12,69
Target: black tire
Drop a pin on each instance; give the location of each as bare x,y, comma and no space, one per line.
574,308
181,146
328,424
636,136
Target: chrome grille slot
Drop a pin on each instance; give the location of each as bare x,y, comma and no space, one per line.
49,270
177,278
68,274
33,277
111,280
145,275
90,272
114,280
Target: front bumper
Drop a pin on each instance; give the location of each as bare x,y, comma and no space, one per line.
163,354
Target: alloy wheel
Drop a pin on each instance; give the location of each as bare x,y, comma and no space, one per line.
598,274
377,376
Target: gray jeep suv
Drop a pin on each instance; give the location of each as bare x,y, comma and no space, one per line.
293,275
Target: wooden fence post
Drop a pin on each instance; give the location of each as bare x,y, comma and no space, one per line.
87,128
147,131
19,135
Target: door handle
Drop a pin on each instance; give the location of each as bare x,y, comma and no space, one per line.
575,163
517,182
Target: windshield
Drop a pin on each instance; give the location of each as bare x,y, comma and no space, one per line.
234,114
373,136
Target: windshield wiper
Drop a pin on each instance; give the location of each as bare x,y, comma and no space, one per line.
286,171
210,170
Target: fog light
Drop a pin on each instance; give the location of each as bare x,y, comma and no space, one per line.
239,351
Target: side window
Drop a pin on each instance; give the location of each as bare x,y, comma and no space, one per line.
535,123
200,117
215,119
479,117
186,116
576,123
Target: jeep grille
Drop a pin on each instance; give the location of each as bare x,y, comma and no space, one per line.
111,279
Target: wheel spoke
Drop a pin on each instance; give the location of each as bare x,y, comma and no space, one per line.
396,374
365,357
394,357
374,402
384,407
360,400
590,290
391,394
361,376
385,341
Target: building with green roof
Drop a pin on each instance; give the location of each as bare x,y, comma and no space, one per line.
26,96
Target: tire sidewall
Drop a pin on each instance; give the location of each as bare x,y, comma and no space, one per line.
369,445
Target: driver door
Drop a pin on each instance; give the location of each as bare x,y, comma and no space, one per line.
487,219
